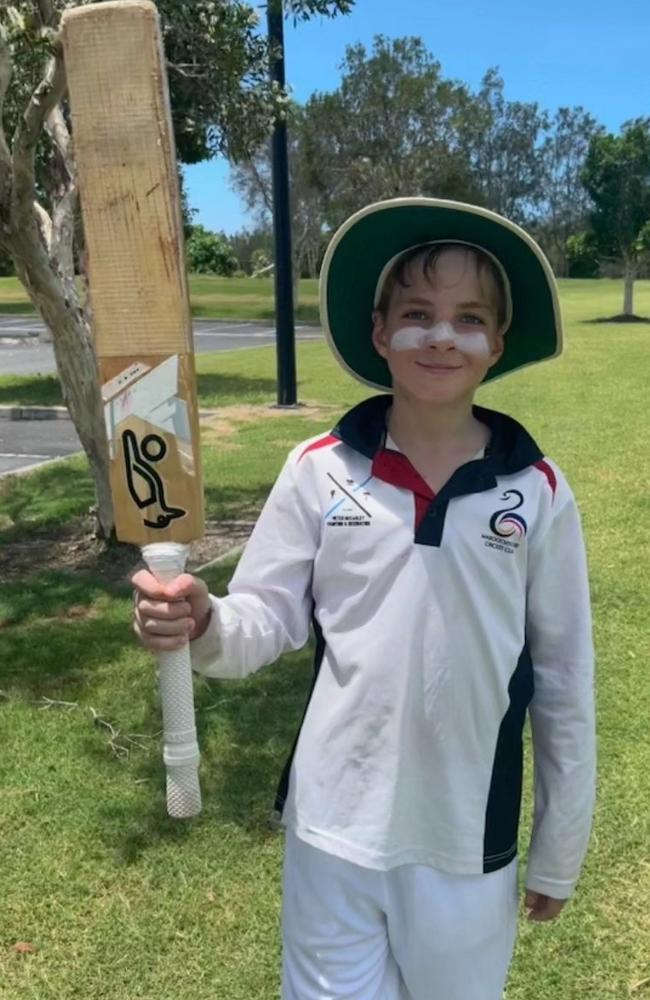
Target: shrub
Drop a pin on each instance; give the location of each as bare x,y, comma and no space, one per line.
582,256
207,253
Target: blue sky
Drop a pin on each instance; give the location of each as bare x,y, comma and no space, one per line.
586,52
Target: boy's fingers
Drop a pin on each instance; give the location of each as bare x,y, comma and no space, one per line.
156,626
162,609
146,585
187,586
167,615
541,907
160,643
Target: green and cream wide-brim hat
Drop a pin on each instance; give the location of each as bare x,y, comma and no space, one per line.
365,248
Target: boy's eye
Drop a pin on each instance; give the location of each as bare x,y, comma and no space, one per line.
415,314
472,319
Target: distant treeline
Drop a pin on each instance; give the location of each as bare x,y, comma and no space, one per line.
395,126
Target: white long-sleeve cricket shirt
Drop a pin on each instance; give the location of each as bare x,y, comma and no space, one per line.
440,621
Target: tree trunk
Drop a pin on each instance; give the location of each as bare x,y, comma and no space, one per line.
77,369
42,251
630,275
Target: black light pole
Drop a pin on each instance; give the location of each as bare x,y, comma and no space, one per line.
285,334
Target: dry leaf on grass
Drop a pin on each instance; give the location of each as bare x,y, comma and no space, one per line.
23,948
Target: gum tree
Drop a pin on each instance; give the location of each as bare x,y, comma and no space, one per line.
617,177
566,205
389,129
222,103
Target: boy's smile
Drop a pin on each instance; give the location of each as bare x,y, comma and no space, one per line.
440,334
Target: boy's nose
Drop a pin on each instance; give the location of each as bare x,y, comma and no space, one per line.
442,335
442,345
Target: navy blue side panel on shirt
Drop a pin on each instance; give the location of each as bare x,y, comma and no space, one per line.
283,786
504,799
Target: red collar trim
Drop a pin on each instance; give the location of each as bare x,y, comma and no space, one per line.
394,468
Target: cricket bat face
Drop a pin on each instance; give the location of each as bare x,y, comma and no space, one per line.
130,203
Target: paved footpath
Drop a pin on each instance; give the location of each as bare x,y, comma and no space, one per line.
25,444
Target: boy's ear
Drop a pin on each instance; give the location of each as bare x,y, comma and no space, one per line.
497,350
379,340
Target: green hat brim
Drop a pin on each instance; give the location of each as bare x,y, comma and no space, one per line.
360,249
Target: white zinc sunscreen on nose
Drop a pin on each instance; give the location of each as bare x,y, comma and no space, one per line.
414,338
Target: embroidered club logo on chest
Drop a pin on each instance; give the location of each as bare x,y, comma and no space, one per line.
348,506
507,527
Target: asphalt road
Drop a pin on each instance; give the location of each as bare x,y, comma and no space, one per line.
22,353
27,443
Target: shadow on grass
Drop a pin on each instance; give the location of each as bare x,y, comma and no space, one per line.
245,731
48,496
52,594
220,390
258,720
30,390
234,388
57,654
18,309
245,728
230,503
619,318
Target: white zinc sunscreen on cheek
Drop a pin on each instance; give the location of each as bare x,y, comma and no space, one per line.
414,338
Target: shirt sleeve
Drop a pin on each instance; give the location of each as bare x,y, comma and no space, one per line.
562,708
268,608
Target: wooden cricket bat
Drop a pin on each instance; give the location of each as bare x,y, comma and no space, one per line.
130,202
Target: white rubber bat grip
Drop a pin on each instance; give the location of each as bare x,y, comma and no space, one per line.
166,560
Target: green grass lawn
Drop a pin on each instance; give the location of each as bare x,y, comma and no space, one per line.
223,298
121,903
253,298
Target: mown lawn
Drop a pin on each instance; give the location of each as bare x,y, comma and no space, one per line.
253,298
119,902
223,298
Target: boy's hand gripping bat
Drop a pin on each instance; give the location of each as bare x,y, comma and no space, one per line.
130,201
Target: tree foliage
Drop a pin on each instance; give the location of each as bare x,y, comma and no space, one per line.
209,253
253,182
565,204
582,255
248,244
500,142
302,10
396,126
389,129
222,102
616,175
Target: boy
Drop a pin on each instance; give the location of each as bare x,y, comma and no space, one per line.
439,557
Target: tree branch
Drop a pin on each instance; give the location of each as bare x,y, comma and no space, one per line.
34,236
47,12
44,224
57,129
61,250
64,200
182,70
5,79
27,134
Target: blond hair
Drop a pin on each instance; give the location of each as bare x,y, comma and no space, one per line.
429,255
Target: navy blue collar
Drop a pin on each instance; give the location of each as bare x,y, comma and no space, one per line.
511,448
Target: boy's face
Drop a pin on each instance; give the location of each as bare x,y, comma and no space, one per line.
458,307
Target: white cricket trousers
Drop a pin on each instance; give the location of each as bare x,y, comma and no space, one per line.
411,933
